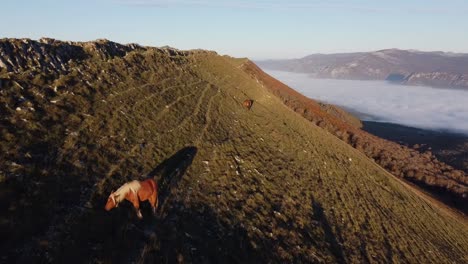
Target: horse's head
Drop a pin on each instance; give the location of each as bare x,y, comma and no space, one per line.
111,202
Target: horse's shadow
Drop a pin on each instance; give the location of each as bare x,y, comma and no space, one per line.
169,173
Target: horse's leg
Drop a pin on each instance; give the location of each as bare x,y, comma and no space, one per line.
138,212
136,204
155,202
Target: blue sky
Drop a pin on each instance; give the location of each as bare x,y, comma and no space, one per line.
255,29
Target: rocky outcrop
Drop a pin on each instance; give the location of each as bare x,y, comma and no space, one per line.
21,54
47,54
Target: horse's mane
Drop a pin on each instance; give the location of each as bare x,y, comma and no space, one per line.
133,186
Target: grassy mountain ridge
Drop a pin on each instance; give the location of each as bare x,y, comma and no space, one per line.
261,185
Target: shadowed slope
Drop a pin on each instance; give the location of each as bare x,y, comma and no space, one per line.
265,185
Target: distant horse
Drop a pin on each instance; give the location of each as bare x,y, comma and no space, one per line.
248,103
134,192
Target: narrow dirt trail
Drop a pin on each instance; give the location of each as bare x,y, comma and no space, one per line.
163,91
207,118
195,111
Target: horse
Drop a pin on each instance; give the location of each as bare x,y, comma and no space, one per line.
248,103
134,192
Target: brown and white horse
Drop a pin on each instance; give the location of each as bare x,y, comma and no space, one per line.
248,103
134,192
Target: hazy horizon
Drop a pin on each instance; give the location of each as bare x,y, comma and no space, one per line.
258,30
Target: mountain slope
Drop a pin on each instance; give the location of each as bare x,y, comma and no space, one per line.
236,185
424,169
401,66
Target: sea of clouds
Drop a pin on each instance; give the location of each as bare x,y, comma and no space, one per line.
415,106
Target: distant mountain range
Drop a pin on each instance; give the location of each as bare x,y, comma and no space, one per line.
437,69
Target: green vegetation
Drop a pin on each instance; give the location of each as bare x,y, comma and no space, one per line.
263,185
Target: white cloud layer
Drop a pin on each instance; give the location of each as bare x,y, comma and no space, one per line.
416,106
